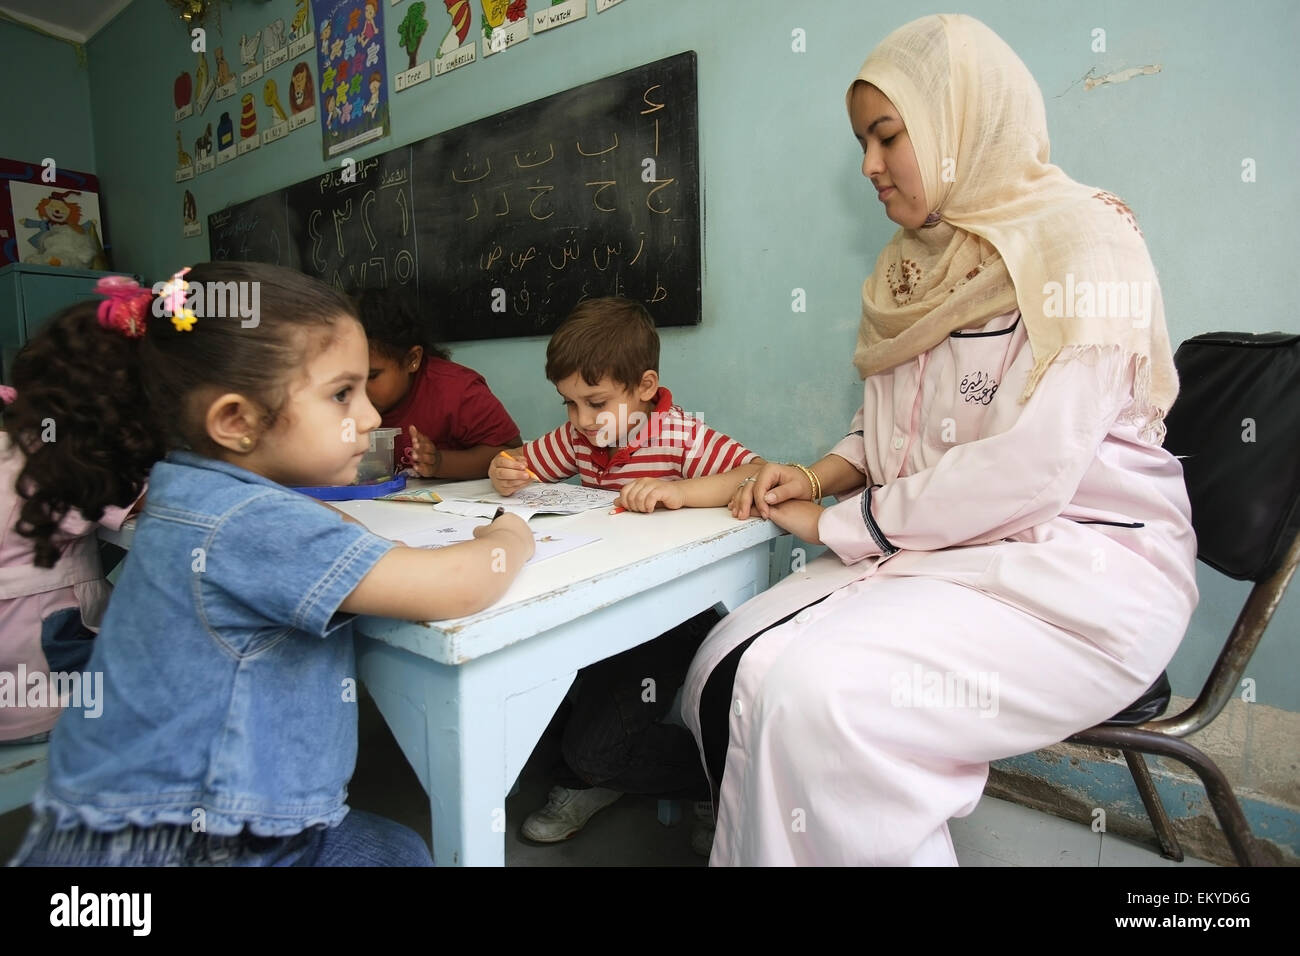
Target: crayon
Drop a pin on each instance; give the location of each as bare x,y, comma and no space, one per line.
531,474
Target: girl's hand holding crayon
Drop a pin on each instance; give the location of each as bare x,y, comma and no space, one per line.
645,494
512,528
425,456
509,474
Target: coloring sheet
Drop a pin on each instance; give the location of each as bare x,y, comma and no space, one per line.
555,499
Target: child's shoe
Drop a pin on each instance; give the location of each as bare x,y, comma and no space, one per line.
702,834
566,812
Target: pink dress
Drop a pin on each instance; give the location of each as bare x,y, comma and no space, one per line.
1021,572
28,594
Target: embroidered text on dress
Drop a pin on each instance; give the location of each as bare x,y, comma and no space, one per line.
978,387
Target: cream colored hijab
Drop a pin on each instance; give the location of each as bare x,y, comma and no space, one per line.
1015,230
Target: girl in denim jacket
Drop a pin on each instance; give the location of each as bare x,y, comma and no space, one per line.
227,729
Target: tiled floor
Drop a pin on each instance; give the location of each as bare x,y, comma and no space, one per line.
628,833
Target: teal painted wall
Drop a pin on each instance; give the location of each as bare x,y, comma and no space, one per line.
47,100
785,205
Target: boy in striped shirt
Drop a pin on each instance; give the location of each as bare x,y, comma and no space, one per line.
624,433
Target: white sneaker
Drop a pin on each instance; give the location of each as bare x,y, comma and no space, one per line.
566,812
705,827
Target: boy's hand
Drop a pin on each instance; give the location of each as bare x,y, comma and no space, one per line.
645,494
508,475
425,456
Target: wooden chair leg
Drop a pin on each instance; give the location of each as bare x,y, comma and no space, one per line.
1169,846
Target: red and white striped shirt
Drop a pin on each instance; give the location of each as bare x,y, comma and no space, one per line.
672,445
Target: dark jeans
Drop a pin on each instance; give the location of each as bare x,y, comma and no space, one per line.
613,737
715,705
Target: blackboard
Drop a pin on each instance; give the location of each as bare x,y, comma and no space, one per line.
500,227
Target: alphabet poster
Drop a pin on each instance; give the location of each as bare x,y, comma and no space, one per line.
353,93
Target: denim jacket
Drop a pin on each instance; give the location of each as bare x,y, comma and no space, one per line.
229,692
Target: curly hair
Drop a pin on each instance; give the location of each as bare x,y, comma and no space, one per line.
95,409
392,326
82,423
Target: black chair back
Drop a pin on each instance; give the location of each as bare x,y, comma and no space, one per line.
1236,425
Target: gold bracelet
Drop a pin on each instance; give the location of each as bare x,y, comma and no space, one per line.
814,484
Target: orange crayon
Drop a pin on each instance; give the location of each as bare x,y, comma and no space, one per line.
531,474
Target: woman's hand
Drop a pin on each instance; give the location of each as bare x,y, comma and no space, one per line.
645,494
425,456
772,485
800,518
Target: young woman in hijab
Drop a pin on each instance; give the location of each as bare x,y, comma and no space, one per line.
1011,555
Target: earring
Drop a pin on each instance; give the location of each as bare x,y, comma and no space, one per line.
245,442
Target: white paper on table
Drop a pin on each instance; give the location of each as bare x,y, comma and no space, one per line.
548,545
480,509
554,499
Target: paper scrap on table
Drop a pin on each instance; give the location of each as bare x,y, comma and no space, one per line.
424,495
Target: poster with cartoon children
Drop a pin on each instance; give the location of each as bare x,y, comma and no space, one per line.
353,94
56,226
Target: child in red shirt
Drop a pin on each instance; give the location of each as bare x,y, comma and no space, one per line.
452,425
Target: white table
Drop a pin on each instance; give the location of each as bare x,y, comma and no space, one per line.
468,699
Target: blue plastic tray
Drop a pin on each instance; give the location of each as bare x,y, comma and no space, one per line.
355,492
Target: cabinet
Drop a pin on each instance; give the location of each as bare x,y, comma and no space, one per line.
30,295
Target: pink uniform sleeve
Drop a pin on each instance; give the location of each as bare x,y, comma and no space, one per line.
481,419
850,447
712,453
552,456
989,489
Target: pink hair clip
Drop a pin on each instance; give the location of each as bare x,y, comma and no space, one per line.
125,305
173,294
7,395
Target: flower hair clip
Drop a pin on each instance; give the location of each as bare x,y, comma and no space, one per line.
174,294
125,305
7,395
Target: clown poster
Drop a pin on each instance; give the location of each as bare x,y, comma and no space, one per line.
56,226
353,94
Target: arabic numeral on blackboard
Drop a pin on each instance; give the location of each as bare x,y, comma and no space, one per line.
379,265
318,263
343,216
400,199
368,200
404,266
